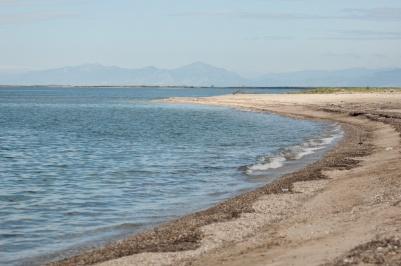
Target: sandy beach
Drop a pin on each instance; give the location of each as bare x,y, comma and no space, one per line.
342,210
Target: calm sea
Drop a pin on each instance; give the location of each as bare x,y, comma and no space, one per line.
82,166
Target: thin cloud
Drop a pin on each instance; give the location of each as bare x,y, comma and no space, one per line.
27,18
383,13
376,14
18,2
271,38
355,56
34,2
13,12
346,55
8,1
247,15
364,35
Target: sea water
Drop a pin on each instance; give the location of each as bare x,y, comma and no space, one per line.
83,166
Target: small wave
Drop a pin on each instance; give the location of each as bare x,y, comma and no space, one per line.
292,153
97,232
266,164
123,226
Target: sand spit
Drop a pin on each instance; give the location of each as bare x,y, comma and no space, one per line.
342,210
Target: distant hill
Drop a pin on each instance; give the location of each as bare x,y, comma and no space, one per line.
196,74
199,74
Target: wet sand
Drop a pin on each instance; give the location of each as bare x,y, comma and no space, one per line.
344,209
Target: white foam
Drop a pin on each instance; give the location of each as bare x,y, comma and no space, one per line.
294,153
274,162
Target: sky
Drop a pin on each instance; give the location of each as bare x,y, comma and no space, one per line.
250,37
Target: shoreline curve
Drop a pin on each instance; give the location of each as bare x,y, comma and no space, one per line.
189,238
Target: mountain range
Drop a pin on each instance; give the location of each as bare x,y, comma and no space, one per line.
199,74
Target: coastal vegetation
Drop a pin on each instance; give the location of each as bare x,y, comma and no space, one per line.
331,90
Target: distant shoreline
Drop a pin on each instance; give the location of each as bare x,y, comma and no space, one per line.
312,88
152,86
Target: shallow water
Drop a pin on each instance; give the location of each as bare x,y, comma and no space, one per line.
81,166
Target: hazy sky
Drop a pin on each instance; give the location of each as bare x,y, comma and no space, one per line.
247,36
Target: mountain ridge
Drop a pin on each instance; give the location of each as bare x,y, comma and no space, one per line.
198,74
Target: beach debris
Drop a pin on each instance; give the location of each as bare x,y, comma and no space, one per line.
376,252
378,198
